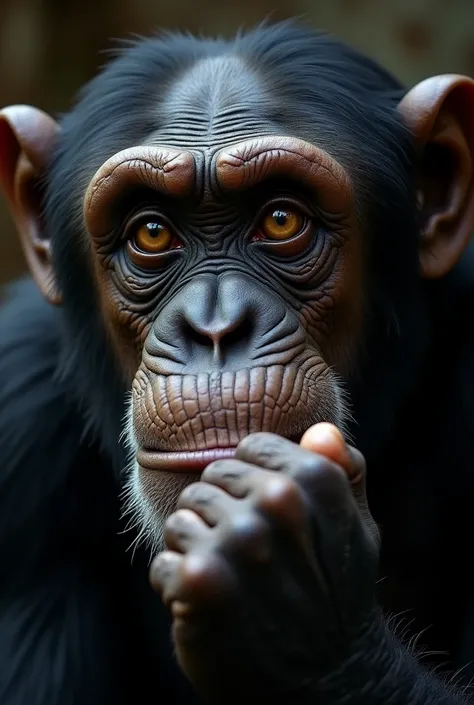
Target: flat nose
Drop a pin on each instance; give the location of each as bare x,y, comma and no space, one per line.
217,313
221,321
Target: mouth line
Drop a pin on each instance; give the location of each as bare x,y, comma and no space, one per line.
182,461
188,461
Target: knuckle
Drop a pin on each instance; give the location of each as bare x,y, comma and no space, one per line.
261,443
280,496
247,524
162,568
249,533
205,576
196,569
312,467
215,469
158,567
253,438
189,494
228,476
178,520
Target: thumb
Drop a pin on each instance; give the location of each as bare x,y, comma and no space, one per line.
326,439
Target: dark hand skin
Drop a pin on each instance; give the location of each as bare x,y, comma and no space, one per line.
264,554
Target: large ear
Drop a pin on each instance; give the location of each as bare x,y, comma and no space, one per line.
27,137
440,114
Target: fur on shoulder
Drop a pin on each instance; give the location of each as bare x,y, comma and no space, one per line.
39,435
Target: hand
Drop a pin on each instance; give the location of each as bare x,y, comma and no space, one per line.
271,568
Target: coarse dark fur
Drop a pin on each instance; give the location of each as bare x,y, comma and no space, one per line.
78,623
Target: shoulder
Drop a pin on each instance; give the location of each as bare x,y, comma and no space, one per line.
28,328
29,348
39,434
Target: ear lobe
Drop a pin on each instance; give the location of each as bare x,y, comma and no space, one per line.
27,138
440,114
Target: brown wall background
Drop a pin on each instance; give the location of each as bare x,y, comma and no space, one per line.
48,48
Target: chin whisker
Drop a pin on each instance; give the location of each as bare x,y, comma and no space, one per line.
136,510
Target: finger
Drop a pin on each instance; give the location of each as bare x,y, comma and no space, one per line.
192,582
233,476
208,501
266,450
271,493
164,575
327,440
183,530
314,472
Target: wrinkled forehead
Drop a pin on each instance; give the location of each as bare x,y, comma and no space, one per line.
216,103
219,130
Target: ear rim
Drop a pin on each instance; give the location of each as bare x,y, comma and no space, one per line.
432,92
27,138
421,111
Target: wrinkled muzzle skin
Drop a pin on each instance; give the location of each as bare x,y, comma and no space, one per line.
218,409
224,359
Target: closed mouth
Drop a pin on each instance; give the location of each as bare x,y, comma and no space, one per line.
188,460
181,461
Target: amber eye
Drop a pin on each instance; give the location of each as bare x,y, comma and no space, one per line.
282,224
153,237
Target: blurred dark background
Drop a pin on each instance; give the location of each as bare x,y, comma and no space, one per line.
48,48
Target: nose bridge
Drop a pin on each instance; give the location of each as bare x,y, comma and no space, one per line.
234,300
197,301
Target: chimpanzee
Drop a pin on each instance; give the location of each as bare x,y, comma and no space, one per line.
253,278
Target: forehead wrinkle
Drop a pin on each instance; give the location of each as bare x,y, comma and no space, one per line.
217,101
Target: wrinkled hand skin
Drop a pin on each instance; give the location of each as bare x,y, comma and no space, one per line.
270,570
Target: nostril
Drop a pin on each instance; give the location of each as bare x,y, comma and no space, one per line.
223,336
240,335
201,339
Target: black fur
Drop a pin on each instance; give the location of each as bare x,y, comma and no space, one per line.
78,623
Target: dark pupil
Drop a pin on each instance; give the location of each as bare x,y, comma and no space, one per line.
280,218
154,229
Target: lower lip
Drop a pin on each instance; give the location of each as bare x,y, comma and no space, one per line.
184,461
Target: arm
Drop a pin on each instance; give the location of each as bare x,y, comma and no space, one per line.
383,671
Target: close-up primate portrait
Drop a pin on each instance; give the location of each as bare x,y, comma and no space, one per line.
236,353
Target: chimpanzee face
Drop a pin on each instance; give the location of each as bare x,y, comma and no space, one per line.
228,269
